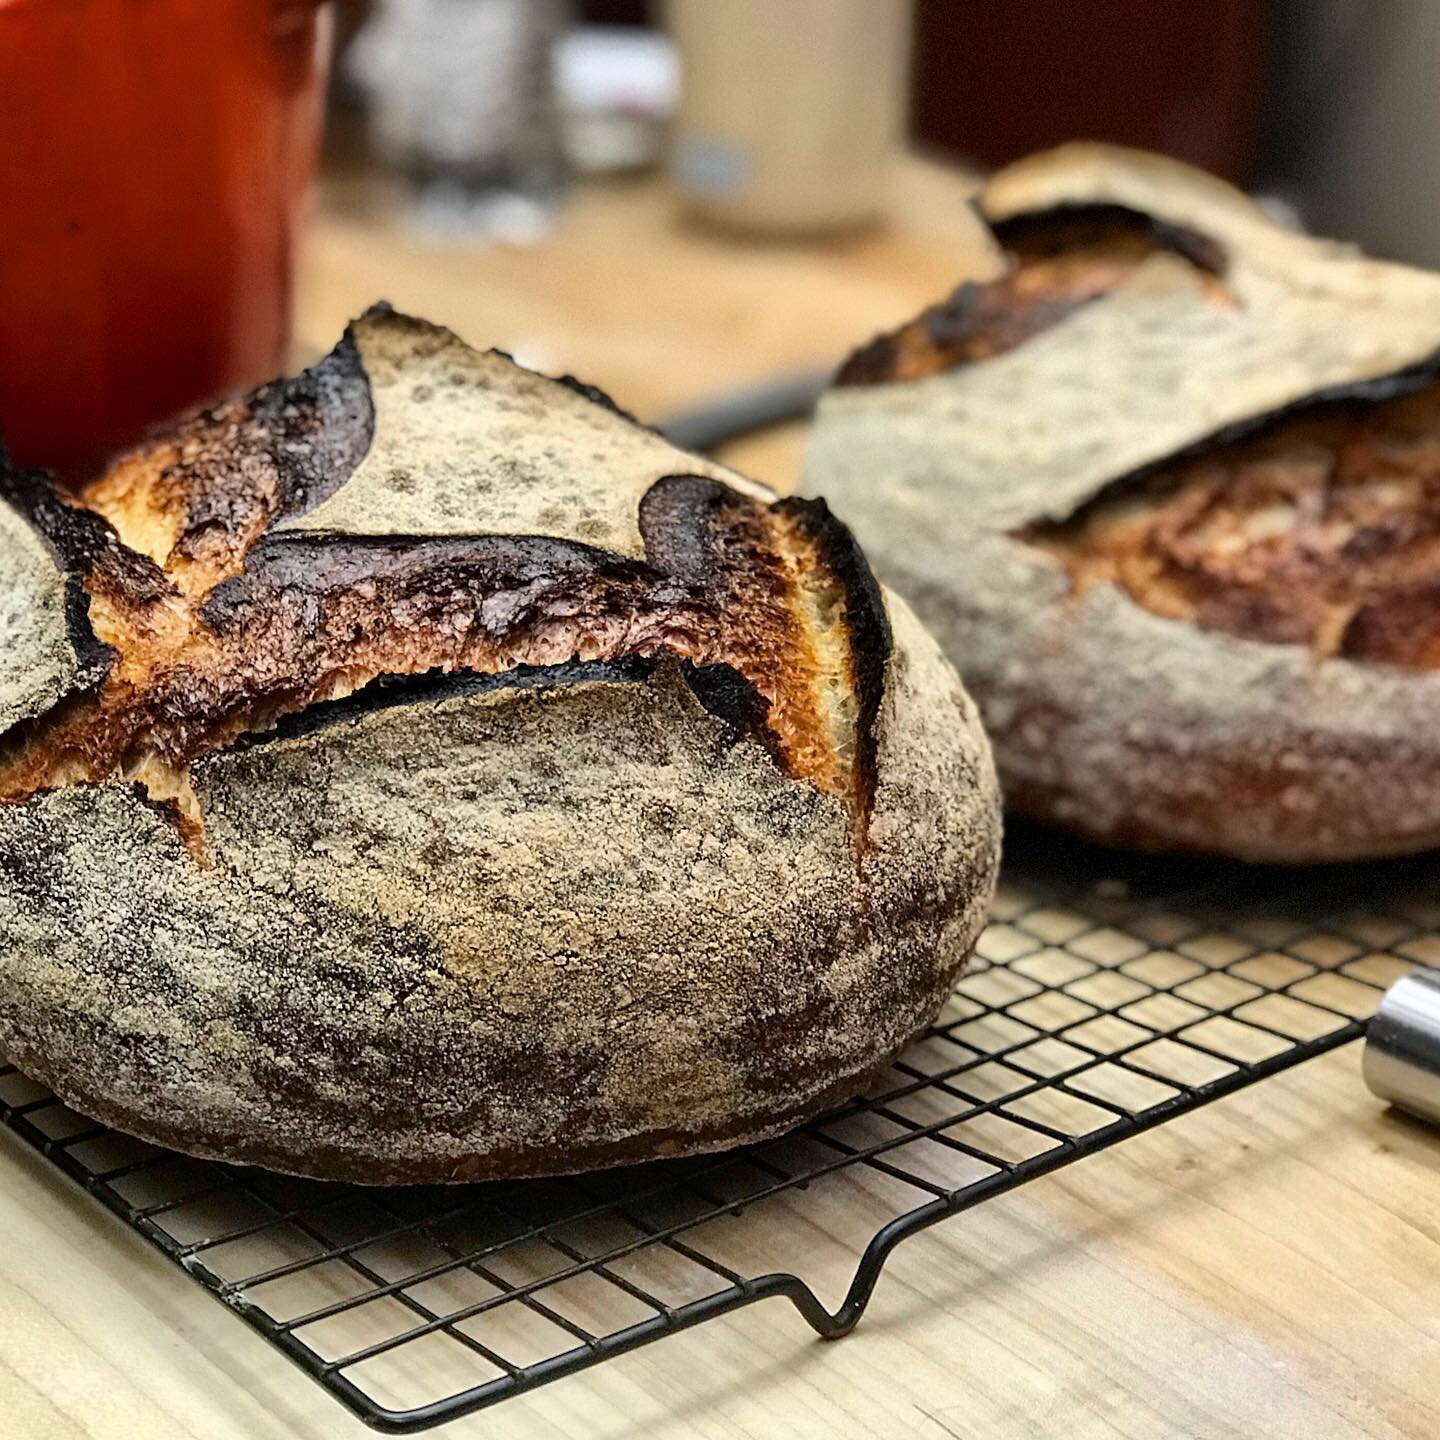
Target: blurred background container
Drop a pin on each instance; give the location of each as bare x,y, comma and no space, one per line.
153,156
791,115
461,100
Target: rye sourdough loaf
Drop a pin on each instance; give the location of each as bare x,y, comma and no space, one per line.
1166,485
419,771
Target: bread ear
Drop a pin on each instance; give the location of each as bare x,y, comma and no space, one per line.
1088,174
1145,368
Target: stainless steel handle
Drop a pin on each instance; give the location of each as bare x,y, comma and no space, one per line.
1402,1049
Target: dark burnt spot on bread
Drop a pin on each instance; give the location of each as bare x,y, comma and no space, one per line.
1056,262
219,625
727,694
1118,229
196,498
676,517
1320,528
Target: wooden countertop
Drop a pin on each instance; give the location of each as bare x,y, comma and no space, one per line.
1267,1266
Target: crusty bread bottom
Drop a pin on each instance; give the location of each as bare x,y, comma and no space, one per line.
145,1123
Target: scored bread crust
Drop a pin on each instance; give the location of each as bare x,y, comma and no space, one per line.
398,845
1128,726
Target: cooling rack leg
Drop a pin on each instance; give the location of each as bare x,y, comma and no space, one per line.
831,1326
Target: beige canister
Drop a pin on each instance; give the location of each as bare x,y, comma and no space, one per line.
792,111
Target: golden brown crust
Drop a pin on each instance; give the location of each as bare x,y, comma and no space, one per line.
196,500
1321,530
395,841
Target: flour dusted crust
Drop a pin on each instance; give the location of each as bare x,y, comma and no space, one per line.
466,442
405,846
960,445
47,650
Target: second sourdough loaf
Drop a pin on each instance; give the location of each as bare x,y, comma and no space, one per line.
419,771
1167,486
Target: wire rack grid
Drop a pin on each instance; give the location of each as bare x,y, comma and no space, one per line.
1107,996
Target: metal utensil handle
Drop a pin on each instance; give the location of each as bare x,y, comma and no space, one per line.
1402,1049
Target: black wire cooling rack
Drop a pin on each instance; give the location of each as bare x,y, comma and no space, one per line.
1107,996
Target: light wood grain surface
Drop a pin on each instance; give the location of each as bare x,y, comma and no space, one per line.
1268,1266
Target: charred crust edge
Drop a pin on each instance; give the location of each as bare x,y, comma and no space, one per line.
674,521
337,390
313,429
729,696
320,563
391,692
1017,231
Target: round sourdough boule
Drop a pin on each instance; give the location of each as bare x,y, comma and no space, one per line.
441,778
1166,486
